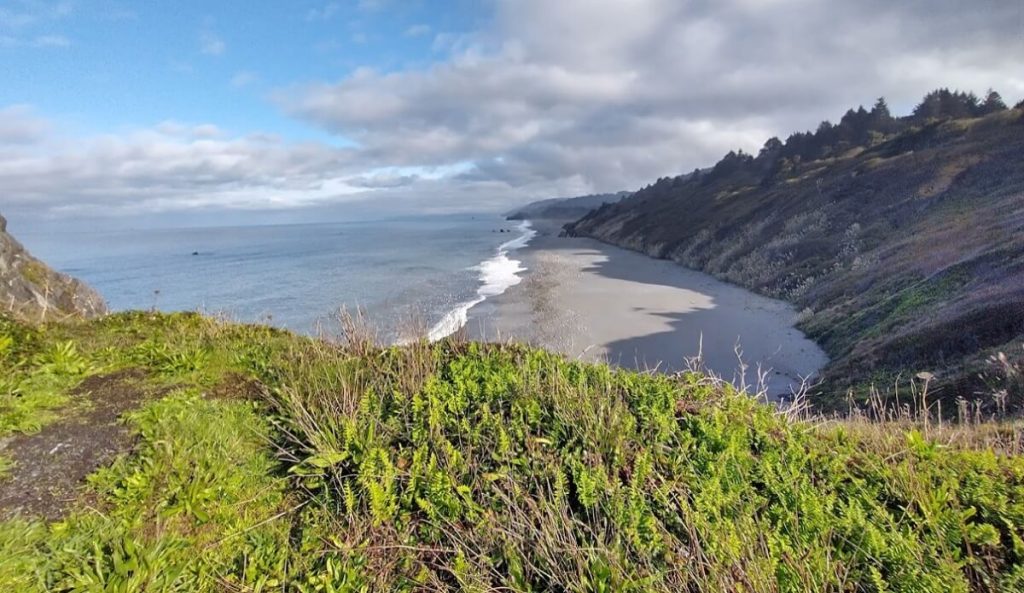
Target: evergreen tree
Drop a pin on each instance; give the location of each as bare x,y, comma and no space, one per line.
771,149
931,106
881,110
944,103
993,103
881,119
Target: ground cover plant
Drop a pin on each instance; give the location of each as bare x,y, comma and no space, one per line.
265,461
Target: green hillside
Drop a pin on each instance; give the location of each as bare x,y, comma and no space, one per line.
250,459
900,239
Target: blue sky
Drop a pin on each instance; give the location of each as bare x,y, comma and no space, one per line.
101,66
330,109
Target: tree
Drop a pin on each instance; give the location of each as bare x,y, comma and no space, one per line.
930,107
993,103
944,103
772,147
881,110
881,119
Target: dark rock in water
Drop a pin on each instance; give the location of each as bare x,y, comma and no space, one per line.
195,253
31,290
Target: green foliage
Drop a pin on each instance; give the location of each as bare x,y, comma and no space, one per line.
63,358
17,341
475,467
546,475
31,394
167,360
201,479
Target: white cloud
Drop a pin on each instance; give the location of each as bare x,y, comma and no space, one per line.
27,23
172,166
323,13
612,94
19,124
51,41
211,44
17,14
418,30
552,98
244,78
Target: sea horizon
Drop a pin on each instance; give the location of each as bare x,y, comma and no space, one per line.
428,270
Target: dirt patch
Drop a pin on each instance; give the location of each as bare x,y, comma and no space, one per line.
50,466
238,386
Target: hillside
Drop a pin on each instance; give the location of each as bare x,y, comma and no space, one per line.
176,453
564,208
901,239
29,289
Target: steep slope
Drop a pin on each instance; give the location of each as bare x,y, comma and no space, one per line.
565,208
29,289
906,252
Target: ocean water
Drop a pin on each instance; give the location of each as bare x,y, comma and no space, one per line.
403,273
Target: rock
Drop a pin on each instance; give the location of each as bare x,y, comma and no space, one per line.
32,291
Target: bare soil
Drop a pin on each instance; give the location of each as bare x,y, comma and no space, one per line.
51,465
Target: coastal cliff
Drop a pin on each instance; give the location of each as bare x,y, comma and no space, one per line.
564,208
31,290
901,239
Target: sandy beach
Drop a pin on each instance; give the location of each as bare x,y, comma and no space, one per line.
593,301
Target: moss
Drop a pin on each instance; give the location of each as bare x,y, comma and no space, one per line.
35,272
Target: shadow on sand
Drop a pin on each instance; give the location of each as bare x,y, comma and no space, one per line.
729,326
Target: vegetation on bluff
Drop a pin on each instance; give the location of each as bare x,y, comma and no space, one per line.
266,461
900,238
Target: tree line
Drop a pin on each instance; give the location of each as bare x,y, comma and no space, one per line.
857,128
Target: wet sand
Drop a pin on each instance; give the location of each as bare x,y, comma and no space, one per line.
593,301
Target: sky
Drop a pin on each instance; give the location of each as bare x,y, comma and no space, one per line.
301,110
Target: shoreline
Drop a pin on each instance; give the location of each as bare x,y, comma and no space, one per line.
597,302
497,274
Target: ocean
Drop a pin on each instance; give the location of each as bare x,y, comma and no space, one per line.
424,272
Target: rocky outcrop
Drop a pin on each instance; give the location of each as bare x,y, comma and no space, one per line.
30,290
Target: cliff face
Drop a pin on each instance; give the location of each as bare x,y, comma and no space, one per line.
31,290
906,254
564,208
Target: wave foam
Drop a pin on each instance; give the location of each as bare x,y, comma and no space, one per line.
497,275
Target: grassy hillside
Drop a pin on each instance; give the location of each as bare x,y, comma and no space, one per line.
249,459
902,240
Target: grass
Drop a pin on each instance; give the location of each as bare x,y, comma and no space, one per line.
472,467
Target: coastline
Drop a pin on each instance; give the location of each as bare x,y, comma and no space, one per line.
497,274
596,302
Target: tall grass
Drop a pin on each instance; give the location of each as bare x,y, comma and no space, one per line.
461,466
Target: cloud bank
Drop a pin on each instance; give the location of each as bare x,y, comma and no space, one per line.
551,98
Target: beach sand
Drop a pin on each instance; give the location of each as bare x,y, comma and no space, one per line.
596,302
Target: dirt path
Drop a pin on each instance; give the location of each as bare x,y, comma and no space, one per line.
50,466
